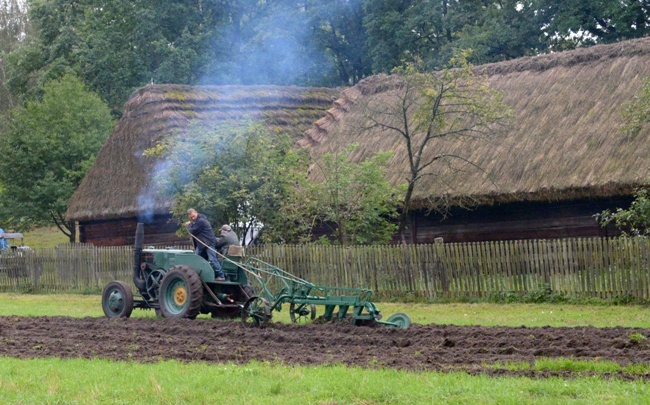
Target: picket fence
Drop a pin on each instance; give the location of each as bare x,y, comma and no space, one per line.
593,267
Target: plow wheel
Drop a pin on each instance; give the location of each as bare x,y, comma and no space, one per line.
301,313
399,320
181,293
117,300
256,312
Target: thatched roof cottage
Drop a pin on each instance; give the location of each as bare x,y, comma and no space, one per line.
563,160
118,191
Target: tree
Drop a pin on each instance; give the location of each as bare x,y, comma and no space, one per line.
632,221
570,23
117,46
353,201
13,31
254,179
431,30
47,149
426,107
239,174
495,30
337,27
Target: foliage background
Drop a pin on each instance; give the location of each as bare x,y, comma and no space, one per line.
114,47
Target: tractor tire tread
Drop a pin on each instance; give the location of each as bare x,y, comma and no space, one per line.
195,289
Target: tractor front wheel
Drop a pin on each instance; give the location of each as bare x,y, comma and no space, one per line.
181,293
117,300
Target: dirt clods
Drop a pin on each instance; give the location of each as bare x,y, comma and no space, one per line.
474,349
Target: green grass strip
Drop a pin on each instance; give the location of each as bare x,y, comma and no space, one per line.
572,365
55,381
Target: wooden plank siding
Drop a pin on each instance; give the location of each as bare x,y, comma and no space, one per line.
514,221
580,267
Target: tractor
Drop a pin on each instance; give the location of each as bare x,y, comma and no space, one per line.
180,284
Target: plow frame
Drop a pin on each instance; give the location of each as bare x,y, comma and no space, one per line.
303,296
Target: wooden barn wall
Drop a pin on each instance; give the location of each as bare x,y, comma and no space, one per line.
161,229
516,221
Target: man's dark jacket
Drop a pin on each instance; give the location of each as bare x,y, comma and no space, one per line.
203,231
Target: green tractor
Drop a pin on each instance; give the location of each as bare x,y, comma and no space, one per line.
178,284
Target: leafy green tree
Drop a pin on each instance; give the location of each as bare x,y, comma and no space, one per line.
431,30
338,30
117,46
235,174
421,108
495,30
353,201
14,28
570,23
273,42
633,221
251,178
47,149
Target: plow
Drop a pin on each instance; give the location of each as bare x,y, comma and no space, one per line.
178,283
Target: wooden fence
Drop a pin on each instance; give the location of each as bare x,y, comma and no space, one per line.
595,267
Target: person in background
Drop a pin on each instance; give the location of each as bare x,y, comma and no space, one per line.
4,243
227,238
200,228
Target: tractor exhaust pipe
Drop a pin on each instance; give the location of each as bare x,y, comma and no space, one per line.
137,258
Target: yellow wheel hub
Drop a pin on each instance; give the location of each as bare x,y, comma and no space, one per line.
180,295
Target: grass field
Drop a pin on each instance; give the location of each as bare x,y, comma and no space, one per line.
40,238
54,381
100,381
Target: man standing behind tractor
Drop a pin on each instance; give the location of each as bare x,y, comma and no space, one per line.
205,243
227,238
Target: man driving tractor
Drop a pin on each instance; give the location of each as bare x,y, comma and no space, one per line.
204,240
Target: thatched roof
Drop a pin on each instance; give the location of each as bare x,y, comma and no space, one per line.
565,141
119,184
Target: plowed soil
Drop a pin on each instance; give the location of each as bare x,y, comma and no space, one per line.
474,349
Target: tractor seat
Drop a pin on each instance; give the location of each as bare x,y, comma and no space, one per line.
235,251
229,267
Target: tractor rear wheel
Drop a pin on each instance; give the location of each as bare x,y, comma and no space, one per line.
181,293
117,300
